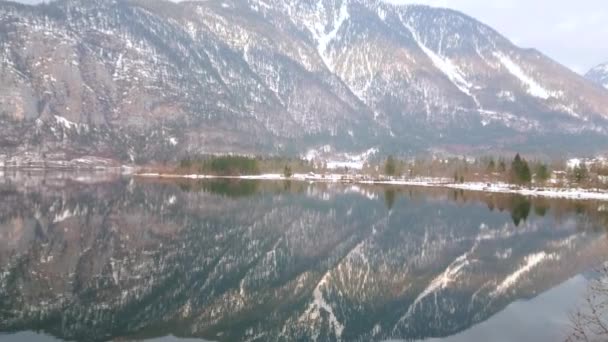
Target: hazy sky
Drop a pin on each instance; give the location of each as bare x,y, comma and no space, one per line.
573,32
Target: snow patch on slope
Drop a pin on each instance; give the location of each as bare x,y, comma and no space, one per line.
603,68
65,122
323,37
532,87
60,217
335,161
445,65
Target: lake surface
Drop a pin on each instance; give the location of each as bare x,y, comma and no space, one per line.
106,257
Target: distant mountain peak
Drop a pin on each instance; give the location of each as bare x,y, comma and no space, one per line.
599,75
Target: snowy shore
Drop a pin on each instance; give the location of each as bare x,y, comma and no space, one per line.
551,192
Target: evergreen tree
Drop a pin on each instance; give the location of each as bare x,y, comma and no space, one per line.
542,173
491,165
185,163
520,171
287,173
525,175
580,173
502,166
390,167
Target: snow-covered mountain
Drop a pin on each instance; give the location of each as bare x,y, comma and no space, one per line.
145,80
128,260
599,75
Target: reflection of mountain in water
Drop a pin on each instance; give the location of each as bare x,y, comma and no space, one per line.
276,262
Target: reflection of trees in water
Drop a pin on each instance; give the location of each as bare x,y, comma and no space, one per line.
224,187
590,322
235,188
590,215
520,209
541,207
389,198
540,210
287,185
201,255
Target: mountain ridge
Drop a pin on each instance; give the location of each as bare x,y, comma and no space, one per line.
147,81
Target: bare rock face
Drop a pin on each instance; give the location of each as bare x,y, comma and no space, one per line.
139,81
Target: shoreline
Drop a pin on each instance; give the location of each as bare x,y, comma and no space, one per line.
503,188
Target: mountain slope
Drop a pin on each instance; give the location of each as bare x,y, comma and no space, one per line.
142,80
599,75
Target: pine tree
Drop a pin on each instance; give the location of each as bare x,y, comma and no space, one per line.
390,167
287,173
491,165
542,173
525,175
520,171
502,166
580,173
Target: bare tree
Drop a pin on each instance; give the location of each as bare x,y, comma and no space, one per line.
590,322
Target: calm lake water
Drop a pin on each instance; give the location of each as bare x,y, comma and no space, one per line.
112,258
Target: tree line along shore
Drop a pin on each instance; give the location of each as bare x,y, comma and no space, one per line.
586,174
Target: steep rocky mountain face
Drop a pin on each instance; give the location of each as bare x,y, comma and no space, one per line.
228,261
151,80
599,75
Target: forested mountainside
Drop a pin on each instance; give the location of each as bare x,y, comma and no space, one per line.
151,80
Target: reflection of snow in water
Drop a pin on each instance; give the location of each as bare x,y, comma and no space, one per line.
377,271
319,303
530,262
